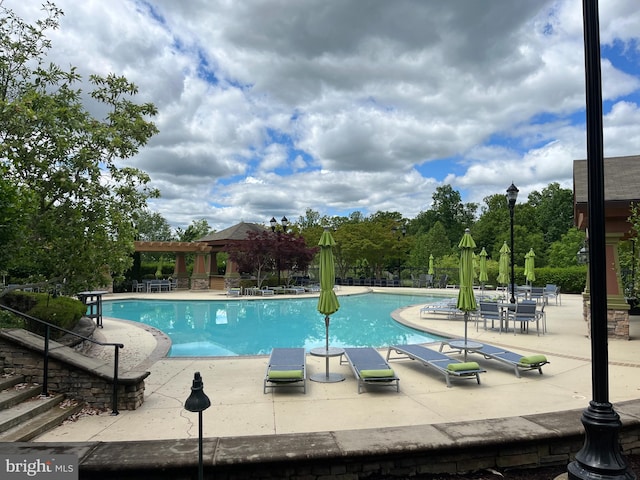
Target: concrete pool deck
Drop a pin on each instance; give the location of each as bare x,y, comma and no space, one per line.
239,407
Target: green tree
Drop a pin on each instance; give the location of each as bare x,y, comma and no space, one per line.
554,210
489,230
152,227
310,219
449,210
78,222
562,253
197,229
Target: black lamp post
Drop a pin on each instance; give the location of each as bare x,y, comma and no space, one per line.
198,402
512,196
600,457
274,224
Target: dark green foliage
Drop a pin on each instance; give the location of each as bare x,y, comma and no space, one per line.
9,320
569,279
63,312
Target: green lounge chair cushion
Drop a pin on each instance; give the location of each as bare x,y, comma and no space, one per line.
460,367
285,374
533,359
382,373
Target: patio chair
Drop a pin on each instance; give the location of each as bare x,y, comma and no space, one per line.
552,291
370,368
447,366
489,311
526,312
515,360
138,286
537,294
287,368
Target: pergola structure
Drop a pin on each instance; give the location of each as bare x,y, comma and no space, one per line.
621,190
205,269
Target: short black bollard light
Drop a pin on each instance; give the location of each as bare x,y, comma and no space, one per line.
198,402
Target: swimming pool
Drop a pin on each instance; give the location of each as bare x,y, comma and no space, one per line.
253,327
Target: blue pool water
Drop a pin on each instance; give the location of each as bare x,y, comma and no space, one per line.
254,327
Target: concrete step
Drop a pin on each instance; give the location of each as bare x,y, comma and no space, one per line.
17,393
58,412
8,381
25,413
26,410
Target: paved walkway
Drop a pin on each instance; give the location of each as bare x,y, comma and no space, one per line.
239,407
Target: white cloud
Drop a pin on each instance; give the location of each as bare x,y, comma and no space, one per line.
271,107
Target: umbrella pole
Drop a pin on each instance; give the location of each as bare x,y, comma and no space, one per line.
326,345
466,317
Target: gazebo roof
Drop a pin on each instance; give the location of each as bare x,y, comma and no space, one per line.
235,232
620,179
620,189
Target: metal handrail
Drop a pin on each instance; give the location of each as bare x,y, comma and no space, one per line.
48,326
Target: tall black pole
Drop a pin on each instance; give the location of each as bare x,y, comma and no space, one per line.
200,460
513,274
600,457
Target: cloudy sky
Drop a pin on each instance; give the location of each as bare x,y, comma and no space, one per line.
271,107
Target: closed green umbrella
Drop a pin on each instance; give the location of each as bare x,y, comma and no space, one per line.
431,271
476,266
503,265
530,266
466,297
484,277
328,301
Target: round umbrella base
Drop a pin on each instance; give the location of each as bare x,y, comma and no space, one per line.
327,377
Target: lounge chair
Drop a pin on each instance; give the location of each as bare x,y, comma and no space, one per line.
449,367
294,290
370,368
517,361
448,307
234,292
287,368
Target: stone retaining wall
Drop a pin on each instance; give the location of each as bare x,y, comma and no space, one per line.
70,372
402,452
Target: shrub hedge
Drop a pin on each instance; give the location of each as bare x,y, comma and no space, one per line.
64,312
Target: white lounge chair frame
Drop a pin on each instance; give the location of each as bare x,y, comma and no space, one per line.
508,358
431,358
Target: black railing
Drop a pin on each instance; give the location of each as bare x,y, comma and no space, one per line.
47,336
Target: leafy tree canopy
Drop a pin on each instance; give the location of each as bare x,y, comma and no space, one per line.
59,162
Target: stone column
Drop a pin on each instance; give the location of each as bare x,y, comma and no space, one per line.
617,306
201,272
180,271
